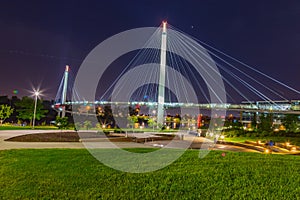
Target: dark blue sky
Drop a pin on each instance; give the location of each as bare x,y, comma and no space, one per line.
38,38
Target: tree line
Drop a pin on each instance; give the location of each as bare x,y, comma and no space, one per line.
20,110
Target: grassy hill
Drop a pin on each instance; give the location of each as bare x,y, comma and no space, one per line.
75,174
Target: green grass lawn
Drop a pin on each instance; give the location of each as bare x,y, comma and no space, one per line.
281,139
75,174
6,127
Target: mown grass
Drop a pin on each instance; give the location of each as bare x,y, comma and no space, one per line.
280,139
75,174
8,127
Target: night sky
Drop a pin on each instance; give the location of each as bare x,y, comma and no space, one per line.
38,38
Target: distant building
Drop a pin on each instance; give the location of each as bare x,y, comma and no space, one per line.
269,106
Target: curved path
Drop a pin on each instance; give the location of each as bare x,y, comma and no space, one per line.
197,144
44,145
6,134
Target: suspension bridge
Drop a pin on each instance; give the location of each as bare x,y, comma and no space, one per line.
247,89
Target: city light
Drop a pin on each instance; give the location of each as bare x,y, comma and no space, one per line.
267,151
36,94
293,149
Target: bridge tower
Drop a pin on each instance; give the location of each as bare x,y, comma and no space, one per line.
162,75
64,91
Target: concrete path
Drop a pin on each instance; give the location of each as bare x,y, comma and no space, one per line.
44,145
197,142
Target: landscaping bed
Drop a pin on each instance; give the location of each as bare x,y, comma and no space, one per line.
75,137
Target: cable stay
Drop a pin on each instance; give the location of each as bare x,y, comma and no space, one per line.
239,81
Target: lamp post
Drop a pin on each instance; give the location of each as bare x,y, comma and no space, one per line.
153,112
36,94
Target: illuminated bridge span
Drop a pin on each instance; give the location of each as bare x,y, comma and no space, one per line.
284,107
257,91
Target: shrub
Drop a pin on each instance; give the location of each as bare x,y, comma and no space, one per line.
248,134
265,133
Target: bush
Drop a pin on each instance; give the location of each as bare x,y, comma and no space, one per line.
118,131
61,122
233,133
87,124
265,133
280,133
256,134
248,134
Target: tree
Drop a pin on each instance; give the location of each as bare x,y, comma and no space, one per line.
105,115
254,121
25,109
217,122
152,123
87,124
132,119
169,120
290,122
177,120
61,122
5,112
266,122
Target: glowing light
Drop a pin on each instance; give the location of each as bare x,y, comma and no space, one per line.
36,93
267,151
222,137
164,26
287,144
67,68
293,149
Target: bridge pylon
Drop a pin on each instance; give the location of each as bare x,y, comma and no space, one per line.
64,91
162,75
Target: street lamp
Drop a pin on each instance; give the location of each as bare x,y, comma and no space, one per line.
36,94
153,112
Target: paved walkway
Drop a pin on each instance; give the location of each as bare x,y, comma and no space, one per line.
199,143
104,143
44,145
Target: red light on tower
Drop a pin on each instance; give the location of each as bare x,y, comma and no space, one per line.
199,121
